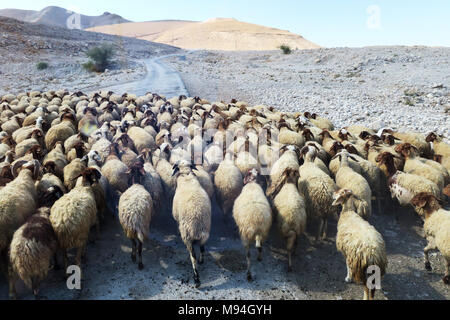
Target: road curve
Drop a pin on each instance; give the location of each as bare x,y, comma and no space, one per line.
160,78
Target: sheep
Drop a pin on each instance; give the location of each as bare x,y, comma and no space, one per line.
427,168
289,137
165,170
17,200
319,122
437,145
58,160
192,211
404,186
318,189
61,131
115,170
416,139
135,211
141,139
253,216
346,178
73,215
330,145
228,183
289,206
436,227
72,171
34,140
414,165
25,132
32,248
361,245
289,156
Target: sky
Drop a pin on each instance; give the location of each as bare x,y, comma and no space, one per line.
329,23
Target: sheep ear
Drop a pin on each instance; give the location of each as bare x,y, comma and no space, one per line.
354,159
175,171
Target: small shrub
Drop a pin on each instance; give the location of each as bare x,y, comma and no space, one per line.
286,49
100,58
42,65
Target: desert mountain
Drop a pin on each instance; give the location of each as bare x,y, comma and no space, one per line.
56,16
213,34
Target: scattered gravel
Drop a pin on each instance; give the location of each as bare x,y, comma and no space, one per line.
406,88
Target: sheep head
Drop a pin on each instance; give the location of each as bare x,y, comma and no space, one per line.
251,176
34,166
405,149
426,202
341,196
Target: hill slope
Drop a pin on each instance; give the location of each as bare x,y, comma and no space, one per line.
213,34
56,16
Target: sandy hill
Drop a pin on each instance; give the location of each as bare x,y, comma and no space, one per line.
213,34
56,16
149,30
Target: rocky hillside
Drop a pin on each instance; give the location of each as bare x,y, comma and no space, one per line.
60,17
213,34
22,46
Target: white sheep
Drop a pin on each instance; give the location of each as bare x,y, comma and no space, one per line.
318,189
361,245
192,211
289,206
135,212
253,216
436,227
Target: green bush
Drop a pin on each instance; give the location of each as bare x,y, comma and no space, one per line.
42,65
286,49
100,58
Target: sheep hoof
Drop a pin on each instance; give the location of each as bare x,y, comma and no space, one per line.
201,261
197,283
133,258
428,266
141,266
249,277
348,280
290,269
446,279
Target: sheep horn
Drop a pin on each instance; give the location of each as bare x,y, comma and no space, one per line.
16,166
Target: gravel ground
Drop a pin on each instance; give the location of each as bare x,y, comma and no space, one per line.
319,271
406,88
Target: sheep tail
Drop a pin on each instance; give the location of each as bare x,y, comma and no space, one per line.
258,241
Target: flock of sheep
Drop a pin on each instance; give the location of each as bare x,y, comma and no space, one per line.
68,159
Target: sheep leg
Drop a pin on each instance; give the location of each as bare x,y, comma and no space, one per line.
260,254
325,228
35,287
12,283
202,255
366,293
66,264
56,265
194,264
348,279
446,278
426,251
140,265
249,273
290,246
78,258
133,250
320,231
